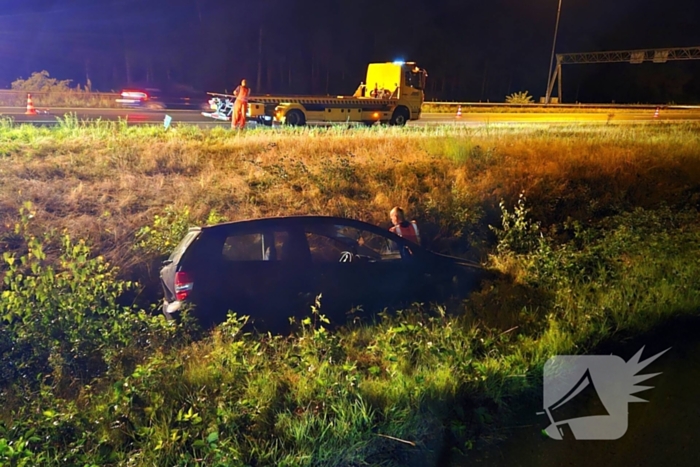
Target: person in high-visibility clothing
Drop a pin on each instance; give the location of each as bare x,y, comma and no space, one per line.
240,107
403,228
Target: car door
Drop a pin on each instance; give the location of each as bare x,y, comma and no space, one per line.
389,267
355,267
259,274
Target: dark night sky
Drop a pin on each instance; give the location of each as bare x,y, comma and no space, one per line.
473,50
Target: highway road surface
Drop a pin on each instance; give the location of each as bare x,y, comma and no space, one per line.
191,117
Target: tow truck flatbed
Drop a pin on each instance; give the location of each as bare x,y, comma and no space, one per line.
393,95
329,100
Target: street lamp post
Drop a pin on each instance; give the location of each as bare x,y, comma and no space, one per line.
551,60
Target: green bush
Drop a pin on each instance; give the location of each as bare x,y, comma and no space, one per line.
47,91
169,228
519,234
18,453
40,81
62,322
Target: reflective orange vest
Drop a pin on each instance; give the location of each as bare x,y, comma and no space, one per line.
242,93
406,232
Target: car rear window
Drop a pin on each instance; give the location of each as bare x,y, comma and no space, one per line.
182,246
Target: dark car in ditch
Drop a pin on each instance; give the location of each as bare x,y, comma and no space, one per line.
274,268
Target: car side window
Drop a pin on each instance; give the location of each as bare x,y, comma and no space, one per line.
385,247
258,246
324,249
332,243
247,247
283,248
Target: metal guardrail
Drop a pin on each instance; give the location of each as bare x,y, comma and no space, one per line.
560,106
78,99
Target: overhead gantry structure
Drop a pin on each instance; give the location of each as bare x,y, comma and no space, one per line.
621,56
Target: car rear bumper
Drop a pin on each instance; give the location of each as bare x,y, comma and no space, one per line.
171,310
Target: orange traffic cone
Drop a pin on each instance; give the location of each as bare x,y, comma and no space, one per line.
30,106
459,111
656,114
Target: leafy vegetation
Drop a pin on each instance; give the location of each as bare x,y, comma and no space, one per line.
42,82
48,91
166,230
594,231
519,98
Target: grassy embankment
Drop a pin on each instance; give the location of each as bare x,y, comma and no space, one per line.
607,242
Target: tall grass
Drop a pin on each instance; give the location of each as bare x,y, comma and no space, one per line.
602,242
105,180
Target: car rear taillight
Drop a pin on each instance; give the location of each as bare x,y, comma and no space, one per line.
183,285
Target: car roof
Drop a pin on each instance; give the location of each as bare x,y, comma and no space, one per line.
291,220
267,222
287,219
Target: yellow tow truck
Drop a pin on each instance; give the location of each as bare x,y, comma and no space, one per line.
392,94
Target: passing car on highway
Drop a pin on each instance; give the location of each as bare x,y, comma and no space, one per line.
160,98
274,268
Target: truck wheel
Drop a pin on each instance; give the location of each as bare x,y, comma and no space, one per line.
295,118
400,117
